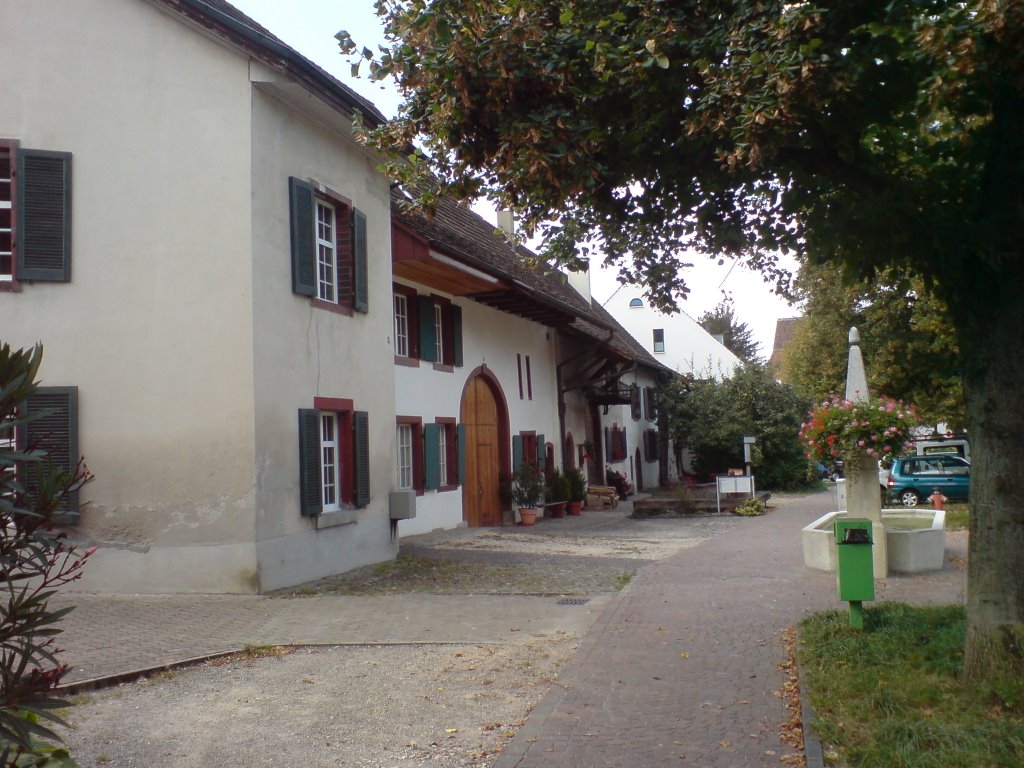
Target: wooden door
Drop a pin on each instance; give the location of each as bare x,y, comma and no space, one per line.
481,499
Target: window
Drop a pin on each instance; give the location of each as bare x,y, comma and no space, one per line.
634,402
659,339
650,404
35,214
409,464
439,333
405,474
519,369
334,470
327,253
651,445
328,248
615,443
401,325
524,450
634,303
529,380
441,455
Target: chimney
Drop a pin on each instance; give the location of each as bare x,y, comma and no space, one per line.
507,222
581,282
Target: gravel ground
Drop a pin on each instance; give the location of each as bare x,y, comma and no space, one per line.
359,707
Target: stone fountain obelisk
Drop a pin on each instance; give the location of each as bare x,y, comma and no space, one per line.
863,499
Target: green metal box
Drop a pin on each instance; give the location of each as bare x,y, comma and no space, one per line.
854,570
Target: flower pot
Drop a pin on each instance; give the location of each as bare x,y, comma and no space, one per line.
527,516
556,509
574,507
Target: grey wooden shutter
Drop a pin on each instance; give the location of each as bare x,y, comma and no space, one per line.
361,456
542,453
54,431
456,335
310,488
517,452
431,456
43,215
460,449
302,209
634,402
360,277
427,334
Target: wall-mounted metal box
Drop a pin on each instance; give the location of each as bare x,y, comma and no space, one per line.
402,505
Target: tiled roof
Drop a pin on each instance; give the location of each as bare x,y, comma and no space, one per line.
231,24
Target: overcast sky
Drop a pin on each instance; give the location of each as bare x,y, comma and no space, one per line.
309,26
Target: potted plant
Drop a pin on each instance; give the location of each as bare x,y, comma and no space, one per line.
527,493
577,490
556,492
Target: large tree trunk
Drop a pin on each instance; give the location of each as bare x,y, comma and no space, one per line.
992,348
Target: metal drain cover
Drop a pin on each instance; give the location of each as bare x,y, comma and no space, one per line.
574,601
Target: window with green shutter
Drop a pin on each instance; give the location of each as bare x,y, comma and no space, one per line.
52,428
42,215
361,457
333,457
427,329
432,456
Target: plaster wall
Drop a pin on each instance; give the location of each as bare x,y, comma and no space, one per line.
688,347
301,351
490,338
155,327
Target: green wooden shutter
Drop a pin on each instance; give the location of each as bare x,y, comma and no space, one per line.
460,449
431,456
456,335
428,335
517,452
361,456
360,287
53,429
542,453
43,213
303,234
634,402
310,488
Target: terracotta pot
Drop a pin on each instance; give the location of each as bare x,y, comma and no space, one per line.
574,507
527,516
557,509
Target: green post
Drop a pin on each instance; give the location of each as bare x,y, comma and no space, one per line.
854,572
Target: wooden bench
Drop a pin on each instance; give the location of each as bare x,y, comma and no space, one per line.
602,497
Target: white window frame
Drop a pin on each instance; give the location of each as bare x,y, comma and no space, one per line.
326,251
442,455
659,346
438,333
7,204
330,462
404,463
401,325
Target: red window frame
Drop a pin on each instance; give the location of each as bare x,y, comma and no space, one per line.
418,475
343,409
448,424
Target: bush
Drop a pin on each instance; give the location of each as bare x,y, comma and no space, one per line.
527,486
36,561
577,484
750,508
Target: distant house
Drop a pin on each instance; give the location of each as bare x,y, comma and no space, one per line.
677,341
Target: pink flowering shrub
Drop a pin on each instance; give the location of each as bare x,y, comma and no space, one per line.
837,428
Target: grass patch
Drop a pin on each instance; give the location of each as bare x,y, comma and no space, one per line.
958,517
892,696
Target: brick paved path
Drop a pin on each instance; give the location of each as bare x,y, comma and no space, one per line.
682,667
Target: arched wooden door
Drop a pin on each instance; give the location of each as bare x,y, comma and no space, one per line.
486,421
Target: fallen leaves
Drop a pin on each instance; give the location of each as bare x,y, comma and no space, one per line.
791,732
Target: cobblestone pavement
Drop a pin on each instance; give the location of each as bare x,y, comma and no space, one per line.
682,668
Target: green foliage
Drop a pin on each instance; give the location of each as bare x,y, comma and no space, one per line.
837,428
892,694
750,508
577,484
737,336
712,417
528,486
556,486
36,561
909,344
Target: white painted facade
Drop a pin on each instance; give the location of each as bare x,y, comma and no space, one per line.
179,327
493,339
687,349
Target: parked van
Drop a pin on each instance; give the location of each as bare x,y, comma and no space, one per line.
940,446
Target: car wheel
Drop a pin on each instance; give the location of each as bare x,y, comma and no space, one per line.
909,498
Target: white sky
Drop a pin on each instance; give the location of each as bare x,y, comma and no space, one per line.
309,26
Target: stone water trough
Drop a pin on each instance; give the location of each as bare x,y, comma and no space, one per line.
915,538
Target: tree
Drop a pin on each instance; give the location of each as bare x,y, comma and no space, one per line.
36,561
908,342
736,336
865,133
711,418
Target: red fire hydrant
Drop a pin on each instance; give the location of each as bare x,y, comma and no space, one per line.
937,499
